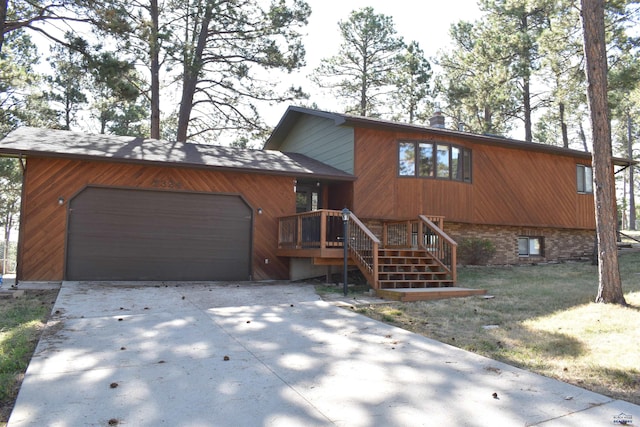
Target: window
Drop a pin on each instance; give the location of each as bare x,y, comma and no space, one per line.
407,164
443,161
530,246
434,160
426,160
584,179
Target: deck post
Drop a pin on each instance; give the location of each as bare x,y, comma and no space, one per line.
385,237
345,221
408,237
376,248
299,232
323,230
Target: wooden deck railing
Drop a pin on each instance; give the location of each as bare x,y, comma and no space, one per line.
439,244
363,248
320,234
404,234
324,229
425,233
309,230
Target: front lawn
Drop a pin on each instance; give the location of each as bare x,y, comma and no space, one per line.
22,320
543,319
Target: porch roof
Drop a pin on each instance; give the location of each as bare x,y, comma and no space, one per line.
27,141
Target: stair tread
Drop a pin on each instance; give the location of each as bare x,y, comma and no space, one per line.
416,281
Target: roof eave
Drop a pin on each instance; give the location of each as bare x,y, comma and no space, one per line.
18,153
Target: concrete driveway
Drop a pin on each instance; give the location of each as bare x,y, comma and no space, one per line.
269,355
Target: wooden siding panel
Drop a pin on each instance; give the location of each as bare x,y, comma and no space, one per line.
516,187
510,186
380,193
44,221
375,189
322,140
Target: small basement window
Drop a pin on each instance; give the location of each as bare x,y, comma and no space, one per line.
530,246
584,175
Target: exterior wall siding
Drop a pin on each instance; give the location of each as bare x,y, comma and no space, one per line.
322,140
44,221
510,186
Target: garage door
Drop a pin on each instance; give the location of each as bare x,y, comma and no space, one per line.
121,234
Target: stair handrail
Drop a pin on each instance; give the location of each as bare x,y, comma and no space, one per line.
364,246
439,244
628,237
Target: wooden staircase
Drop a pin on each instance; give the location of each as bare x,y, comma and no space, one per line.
410,268
413,260
415,275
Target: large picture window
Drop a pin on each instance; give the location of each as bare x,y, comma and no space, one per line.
434,160
584,176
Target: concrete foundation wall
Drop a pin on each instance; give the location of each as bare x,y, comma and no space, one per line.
302,268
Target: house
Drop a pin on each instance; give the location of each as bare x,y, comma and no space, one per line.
99,207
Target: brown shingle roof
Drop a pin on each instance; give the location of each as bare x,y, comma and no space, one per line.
28,141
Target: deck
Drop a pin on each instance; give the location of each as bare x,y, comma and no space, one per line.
412,259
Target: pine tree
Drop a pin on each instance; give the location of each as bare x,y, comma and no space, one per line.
361,72
609,282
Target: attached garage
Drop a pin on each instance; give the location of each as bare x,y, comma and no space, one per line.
121,208
135,234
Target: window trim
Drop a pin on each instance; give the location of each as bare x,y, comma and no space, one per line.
540,240
464,162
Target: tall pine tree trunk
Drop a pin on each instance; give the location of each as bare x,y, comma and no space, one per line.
563,127
154,44
632,189
528,127
609,283
192,69
4,5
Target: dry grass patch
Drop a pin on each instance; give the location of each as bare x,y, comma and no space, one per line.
22,320
541,319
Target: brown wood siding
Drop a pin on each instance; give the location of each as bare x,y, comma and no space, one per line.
43,228
510,186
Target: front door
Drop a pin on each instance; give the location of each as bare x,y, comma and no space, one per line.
307,198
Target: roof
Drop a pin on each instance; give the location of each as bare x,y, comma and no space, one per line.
293,114
28,141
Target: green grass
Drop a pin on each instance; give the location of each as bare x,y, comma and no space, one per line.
21,323
543,319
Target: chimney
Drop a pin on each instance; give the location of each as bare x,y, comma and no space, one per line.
437,120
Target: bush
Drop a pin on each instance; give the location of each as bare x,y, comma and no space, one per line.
475,251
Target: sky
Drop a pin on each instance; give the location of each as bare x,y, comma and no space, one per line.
425,21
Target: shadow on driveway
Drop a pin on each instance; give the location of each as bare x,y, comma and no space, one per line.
268,355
